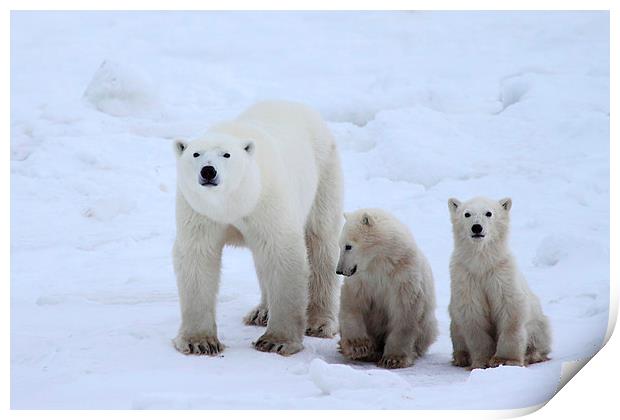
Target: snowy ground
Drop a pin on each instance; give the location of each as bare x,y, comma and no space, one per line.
425,106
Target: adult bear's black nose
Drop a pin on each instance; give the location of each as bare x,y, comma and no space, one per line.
476,228
208,173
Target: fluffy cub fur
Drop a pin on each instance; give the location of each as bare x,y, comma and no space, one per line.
387,306
495,317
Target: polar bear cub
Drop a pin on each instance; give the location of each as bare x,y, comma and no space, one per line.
270,180
387,301
495,317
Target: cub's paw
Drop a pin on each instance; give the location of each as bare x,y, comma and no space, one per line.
499,361
478,364
270,343
257,316
198,344
461,359
395,362
536,357
357,348
321,327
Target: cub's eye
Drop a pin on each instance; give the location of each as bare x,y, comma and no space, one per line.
467,215
489,214
226,155
196,154
347,247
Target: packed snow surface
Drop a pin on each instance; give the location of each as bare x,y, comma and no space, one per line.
424,106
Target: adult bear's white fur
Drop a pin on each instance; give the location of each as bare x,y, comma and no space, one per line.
387,301
495,317
278,191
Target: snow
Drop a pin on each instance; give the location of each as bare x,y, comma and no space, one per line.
424,106
120,91
333,378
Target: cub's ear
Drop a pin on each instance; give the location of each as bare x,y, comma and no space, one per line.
506,203
453,204
179,147
249,147
367,220
346,216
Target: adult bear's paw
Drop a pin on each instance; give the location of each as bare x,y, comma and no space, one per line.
257,316
321,327
198,344
284,347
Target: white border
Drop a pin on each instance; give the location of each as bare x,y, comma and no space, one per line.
592,394
312,5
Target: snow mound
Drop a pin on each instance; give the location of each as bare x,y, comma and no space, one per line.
330,378
550,251
351,137
561,247
432,149
22,143
513,91
105,209
120,91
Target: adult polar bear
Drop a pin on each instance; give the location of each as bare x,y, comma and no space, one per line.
271,180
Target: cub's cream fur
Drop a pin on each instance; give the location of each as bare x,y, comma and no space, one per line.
270,180
387,301
495,317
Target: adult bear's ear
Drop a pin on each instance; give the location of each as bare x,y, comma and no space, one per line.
506,203
367,219
179,147
453,204
249,147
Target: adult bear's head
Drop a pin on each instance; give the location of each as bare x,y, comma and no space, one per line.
218,175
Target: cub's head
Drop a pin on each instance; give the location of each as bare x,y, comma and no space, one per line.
218,175
480,220
366,235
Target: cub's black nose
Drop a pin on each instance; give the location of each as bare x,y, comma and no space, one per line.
338,272
208,173
476,229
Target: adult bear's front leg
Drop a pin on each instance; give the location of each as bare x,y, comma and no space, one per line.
197,258
284,267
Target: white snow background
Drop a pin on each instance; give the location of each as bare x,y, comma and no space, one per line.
424,106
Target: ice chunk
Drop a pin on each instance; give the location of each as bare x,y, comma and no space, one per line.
331,378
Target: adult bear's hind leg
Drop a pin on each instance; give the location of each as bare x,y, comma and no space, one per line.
259,315
322,233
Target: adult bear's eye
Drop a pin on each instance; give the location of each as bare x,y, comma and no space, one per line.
489,214
196,154
226,155
467,214
347,247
